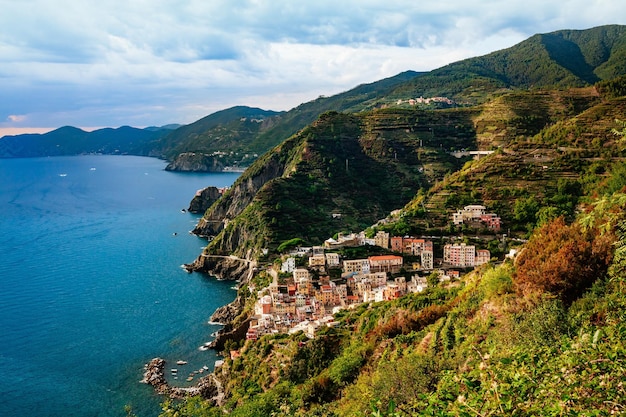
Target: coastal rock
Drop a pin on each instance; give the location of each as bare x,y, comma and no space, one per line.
223,267
154,375
230,332
195,162
207,387
204,199
227,313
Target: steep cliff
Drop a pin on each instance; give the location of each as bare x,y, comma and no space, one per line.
240,195
195,162
204,199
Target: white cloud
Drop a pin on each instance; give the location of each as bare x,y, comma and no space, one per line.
15,118
147,62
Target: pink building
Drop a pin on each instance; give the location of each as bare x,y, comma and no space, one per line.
459,255
482,257
491,220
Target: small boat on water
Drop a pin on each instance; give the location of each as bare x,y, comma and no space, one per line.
181,363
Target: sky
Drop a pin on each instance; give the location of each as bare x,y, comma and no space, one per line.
109,63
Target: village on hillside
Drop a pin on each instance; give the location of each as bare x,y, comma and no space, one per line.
303,297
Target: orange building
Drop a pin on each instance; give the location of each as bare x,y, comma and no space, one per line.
385,263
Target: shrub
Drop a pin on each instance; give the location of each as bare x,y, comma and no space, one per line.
560,260
497,281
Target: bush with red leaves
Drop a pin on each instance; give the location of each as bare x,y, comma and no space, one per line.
562,260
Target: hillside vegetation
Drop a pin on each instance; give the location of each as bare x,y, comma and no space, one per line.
565,58
562,59
358,167
549,146
248,130
543,336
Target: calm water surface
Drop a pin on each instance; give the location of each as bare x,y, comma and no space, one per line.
91,286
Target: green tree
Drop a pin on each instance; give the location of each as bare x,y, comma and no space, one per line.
433,279
525,210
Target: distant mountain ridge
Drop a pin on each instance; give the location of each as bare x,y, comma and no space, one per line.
254,131
69,140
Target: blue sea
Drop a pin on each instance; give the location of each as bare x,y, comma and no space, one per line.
91,284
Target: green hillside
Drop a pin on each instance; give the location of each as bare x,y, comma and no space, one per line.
254,131
226,131
541,335
566,58
548,147
342,173
548,168
561,59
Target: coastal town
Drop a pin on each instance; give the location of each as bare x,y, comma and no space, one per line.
302,295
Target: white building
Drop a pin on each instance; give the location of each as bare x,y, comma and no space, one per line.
288,265
427,259
332,260
469,213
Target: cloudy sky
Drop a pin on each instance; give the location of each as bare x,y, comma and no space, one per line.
96,63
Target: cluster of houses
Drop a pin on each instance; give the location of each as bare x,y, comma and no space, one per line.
427,100
477,215
304,298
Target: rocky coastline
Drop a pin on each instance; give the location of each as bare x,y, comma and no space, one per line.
234,328
208,387
228,268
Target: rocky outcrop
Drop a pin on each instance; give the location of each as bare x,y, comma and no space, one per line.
195,162
204,199
227,313
207,387
232,332
222,267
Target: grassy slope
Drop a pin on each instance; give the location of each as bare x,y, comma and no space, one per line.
574,145
361,167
